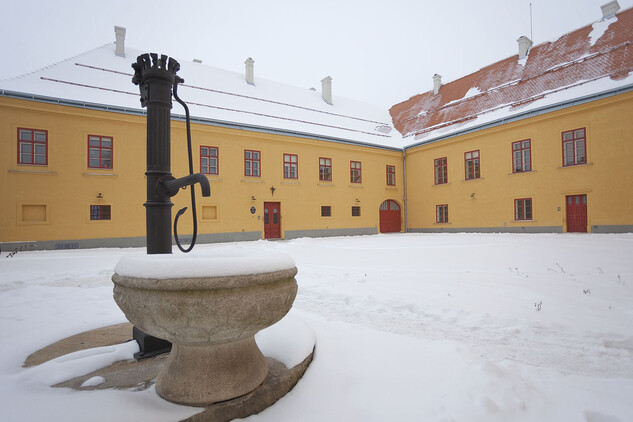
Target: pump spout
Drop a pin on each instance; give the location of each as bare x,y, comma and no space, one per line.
168,186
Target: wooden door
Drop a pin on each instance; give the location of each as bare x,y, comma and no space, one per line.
272,220
576,213
389,217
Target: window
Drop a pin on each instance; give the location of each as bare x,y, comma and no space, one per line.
252,163
441,171
355,175
100,212
391,175
325,169
574,147
355,211
521,156
441,213
32,147
471,160
523,209
99,152
290,166
326,211
208,160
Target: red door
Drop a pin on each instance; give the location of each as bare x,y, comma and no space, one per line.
389,217
272,220
576,213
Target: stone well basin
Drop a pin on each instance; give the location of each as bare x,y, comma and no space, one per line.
210,308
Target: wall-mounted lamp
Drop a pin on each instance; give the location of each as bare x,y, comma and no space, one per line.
252,198
357,200
272,190
99,196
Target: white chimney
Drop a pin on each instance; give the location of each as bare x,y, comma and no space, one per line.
250,71
610,9
326,89
437,83
120,41
524,46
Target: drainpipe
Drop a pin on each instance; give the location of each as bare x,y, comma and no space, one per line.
404,171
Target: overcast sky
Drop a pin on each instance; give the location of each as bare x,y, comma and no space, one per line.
379,52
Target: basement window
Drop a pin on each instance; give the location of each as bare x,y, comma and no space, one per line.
441,213
100,212
523,209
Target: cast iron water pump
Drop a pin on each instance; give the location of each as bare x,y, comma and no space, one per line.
156,76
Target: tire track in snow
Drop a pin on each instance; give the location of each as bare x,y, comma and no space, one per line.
532,344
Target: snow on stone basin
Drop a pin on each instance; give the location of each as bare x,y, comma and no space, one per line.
195,265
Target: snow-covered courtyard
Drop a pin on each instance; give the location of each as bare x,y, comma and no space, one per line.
409,327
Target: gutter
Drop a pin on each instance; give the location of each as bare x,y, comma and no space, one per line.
406,208
199,120
532,113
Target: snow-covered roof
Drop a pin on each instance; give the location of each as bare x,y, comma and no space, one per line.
592,61
101,79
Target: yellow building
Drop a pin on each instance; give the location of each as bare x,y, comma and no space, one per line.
540,141
282,162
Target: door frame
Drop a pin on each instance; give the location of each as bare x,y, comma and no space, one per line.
380,215
267,234
568,224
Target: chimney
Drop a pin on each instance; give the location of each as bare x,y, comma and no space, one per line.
610,9
120,41
524,46
326,89
437,83
250,71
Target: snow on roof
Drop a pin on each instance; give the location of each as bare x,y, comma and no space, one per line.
101,79
590,61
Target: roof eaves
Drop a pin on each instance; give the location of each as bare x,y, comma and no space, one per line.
199,120
532,113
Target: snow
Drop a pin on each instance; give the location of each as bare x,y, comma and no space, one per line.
504,112
201,264
93,382
599,28
408,327
472,91
99,77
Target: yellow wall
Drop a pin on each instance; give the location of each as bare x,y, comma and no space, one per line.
488,202
51,203
58,196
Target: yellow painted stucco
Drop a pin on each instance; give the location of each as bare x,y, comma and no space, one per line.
488,202
52,202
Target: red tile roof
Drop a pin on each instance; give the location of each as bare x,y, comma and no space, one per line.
510,85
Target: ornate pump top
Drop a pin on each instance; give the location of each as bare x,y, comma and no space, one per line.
151,66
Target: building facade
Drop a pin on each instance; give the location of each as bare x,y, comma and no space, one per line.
73,170
538,142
